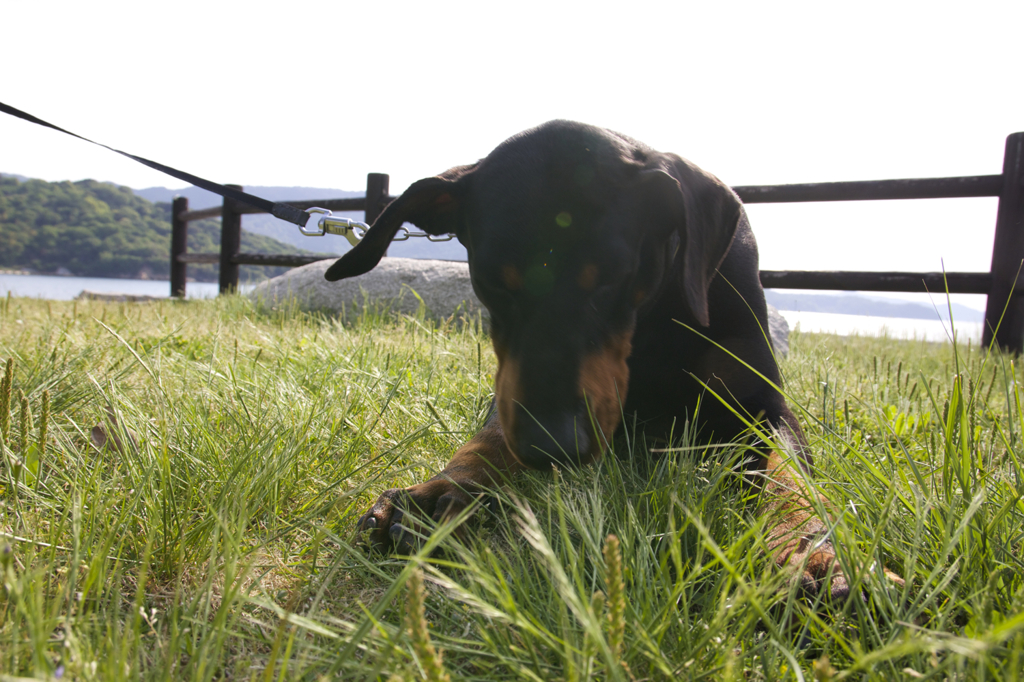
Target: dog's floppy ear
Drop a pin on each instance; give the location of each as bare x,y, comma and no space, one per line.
703,212
431,204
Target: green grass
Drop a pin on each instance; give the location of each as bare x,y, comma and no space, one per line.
216,542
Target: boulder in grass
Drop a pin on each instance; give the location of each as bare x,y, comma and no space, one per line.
778,327
87,295
401,283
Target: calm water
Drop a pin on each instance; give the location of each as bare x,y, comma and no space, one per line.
893,327
67,288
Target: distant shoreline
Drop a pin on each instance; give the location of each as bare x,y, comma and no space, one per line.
66,288
860,305
54,288
28,272
845,305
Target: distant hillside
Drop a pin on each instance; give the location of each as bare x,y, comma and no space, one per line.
852,304
98,229
289,234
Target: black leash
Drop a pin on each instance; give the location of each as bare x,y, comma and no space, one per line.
282,211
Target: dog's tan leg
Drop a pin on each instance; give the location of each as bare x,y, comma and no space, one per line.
799,537
485,461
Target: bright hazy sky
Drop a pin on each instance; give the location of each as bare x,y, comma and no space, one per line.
320,93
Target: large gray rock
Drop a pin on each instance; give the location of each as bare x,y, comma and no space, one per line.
442,285
401,283
778,328
87,295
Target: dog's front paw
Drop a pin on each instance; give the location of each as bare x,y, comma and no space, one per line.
819,568
391,521
816,561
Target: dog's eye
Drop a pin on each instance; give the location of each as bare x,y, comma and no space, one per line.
512,278
495,292
588,277
610,277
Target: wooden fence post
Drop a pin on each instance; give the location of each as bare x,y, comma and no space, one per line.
1008,255
230,243
376,195
179,246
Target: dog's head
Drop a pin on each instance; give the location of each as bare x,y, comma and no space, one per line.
571,230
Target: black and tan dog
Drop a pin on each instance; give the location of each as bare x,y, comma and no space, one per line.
593,254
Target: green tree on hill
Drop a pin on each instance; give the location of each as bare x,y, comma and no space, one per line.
96,229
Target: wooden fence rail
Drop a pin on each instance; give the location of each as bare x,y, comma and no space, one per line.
1004,312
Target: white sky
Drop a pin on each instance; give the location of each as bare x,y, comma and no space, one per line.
320,93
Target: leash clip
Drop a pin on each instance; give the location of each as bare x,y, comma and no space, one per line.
321,221
404,233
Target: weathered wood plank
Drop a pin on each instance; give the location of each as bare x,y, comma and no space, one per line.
873,190
179,246
230,242
1001,311
935,282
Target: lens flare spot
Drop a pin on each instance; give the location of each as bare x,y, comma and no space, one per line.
563,219
539,280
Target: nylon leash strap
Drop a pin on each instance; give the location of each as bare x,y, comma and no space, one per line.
313,222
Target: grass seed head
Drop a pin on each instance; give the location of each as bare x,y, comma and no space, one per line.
823,670
44,422
5,400
428,656
26,422
616,594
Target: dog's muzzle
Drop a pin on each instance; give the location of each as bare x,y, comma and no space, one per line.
540,441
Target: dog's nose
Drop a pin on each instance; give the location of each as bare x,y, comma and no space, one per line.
555,439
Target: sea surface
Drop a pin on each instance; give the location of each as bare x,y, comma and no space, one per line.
67,288
891,327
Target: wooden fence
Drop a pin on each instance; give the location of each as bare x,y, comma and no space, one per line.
1004,311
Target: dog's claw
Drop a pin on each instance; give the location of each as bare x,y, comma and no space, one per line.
821,569
405,541
385,525
840,589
